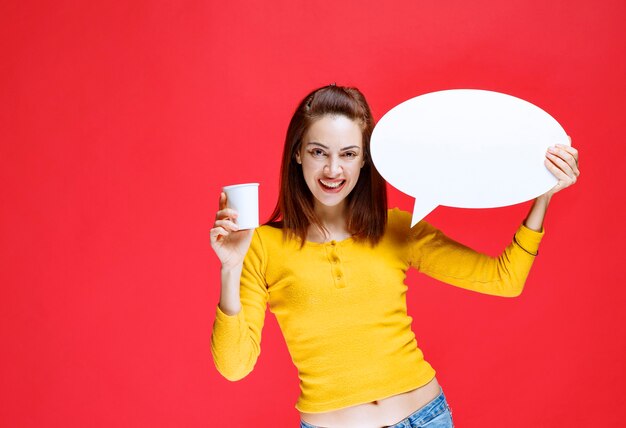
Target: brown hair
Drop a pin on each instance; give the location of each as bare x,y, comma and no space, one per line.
366,203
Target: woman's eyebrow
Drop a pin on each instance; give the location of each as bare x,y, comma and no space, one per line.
317,144
327,148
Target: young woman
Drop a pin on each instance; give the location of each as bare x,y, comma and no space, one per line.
331,264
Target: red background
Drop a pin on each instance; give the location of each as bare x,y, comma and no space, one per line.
120,122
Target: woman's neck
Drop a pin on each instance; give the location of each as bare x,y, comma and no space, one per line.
333,219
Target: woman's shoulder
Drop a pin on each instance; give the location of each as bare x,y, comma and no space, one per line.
273,235
399,222
270,231
396,214
398,219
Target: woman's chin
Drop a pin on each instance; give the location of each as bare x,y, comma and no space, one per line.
331,202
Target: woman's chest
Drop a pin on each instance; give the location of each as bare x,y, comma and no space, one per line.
335,273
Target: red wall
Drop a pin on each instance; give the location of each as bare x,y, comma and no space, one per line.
119,123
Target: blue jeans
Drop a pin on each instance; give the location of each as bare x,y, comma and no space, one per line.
435,414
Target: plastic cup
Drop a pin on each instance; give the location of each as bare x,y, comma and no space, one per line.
244,198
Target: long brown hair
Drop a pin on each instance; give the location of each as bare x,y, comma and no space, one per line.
366,203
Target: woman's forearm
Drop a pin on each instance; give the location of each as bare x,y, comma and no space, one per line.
537,213
230,302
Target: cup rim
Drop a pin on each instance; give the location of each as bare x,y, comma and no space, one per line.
232,186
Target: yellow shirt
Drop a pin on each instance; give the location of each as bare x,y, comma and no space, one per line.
341,306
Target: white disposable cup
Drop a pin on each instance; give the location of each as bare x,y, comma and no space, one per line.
244,198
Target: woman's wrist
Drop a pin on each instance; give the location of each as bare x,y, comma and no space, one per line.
227,269
544,199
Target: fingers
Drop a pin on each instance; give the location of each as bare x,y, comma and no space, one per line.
565,159
563,165
569,149
216,232
556,171
223,228
564,180
227,224
226,213
224,217
562,161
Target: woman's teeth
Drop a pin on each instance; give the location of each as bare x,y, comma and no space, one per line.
332,185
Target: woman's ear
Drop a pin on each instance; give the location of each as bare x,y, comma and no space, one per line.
298,158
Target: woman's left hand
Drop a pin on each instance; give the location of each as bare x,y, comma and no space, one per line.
562,162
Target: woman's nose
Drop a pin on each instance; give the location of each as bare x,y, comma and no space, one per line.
333,166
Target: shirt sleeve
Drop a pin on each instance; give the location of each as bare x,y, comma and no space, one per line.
236,339
442,258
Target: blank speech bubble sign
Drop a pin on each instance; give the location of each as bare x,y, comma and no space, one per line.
466,148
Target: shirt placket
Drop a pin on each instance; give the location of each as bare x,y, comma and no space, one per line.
334,259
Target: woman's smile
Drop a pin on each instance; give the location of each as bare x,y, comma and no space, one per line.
332,186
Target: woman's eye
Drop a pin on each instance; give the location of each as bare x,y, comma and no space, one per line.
317,152
350,154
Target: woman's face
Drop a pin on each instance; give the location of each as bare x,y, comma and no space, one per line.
331,156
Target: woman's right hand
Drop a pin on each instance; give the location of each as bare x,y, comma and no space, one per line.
229,243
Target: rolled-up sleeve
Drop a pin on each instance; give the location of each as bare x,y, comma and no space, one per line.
447,260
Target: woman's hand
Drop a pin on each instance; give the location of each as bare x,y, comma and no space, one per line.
229,243
562,162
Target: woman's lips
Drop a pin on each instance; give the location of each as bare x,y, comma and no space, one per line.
332,189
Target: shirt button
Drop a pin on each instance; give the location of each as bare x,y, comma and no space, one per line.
333,242
338,277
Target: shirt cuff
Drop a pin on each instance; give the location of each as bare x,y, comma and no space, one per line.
223,317
529,239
